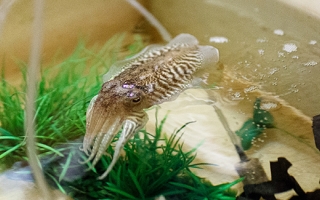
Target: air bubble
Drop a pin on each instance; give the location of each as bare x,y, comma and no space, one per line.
310,63
250,89
290,47
273,70
261,52
278,32
218,39
261,40
269,105
313,42
280,54
235,95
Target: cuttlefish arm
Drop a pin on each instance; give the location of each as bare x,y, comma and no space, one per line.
156,75
130,127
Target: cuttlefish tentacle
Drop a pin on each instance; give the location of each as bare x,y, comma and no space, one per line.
88,140
100,130
156,75
130,127
102,141
106,141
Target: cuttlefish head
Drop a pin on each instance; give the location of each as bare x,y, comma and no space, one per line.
117,104
156,75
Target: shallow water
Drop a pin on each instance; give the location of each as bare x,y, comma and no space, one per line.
269,51
271,45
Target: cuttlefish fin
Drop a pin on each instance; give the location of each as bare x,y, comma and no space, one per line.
211,70
184,38
120,66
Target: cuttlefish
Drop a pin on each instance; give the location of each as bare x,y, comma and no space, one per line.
156,75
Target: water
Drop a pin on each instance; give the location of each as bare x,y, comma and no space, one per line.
262,43
269,51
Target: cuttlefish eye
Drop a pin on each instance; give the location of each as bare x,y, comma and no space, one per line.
134,97
136,100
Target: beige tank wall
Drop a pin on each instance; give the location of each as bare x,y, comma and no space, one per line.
65,23
309,6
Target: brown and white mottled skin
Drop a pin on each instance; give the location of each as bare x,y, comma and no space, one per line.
155,75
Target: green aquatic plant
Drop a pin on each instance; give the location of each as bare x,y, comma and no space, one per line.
254,127
63,94
261,121
153,165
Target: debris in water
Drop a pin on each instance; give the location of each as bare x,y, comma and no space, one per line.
281,181
316,130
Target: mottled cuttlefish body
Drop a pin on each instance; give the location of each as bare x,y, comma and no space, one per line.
155,75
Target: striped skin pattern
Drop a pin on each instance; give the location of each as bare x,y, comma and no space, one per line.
156,75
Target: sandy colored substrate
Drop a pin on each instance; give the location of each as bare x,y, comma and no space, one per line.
292,138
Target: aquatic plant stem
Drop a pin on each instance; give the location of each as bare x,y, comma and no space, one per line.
151,19
249,168
32,79
232,135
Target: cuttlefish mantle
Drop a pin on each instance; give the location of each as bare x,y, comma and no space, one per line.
156,75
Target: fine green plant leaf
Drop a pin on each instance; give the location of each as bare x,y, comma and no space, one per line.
185,186
57,183
48,148
120,192
64,92
136,183
9,151
66,166
9,138
5,133
152,166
